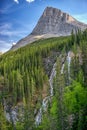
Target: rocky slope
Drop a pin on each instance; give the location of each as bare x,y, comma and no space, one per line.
52,23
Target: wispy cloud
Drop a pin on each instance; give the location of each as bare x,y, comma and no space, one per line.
12,33
7,29
5,26
30,1
16,1
6,8
4,45
9,8
9,35
81,17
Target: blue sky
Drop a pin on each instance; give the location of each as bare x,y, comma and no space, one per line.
19,17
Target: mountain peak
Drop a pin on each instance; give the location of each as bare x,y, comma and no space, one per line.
50,11
55,21
52,23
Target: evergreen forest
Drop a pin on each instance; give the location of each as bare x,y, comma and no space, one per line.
24,83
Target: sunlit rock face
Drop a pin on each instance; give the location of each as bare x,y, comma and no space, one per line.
52,23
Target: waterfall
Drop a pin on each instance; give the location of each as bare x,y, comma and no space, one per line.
45,102
53,73
69,62
38,117
62,69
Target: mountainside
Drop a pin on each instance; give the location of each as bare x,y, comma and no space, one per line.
52,23
44,84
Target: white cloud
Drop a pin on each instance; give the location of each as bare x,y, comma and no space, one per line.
30,1
81,17
14,43
16,1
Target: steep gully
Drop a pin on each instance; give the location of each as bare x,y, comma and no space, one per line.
12,116
45,101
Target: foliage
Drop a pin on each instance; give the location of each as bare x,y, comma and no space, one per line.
22,79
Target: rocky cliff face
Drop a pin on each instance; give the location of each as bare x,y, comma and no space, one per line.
52,23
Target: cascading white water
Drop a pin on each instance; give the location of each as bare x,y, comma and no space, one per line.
51,79
69,62
45,102
38,117
62,69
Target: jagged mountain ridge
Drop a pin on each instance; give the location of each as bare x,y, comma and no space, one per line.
52,23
